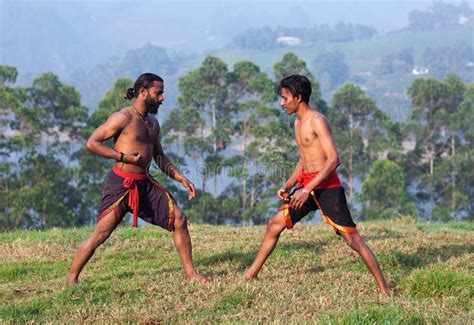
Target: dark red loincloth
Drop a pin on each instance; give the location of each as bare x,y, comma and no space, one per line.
140,194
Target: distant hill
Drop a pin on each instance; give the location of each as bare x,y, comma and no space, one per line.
361,53
94,83
365,57
63,36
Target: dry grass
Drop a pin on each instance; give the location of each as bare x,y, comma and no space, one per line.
312,276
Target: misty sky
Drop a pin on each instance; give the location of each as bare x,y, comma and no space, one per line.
82,34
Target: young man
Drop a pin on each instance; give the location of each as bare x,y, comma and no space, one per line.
318,187
128,186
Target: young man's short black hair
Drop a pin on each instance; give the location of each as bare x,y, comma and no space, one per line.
298,85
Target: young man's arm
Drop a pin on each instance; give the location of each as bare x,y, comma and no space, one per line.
321,127
167,167
114,124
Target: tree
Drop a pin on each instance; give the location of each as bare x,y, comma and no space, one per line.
46,197
406,56
386,65
348,116
113,101
93,84
92,169
263,39
52,116
440,14
333,65
384,192
254,95
47,123
445,60
8,75
465,154
440,126
10,101
455,90
203,115
428,97
451,174
291,64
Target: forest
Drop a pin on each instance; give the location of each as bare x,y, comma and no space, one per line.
227,132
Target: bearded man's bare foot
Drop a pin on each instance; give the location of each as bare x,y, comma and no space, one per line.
196,277
386,293
71,282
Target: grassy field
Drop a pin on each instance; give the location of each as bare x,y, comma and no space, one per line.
311,277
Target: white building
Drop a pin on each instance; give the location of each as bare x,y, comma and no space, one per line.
420,71
289,40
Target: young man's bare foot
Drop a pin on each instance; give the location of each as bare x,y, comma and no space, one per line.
249,276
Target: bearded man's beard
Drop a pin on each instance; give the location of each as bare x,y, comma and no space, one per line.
152,106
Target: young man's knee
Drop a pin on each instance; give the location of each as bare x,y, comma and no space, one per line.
274,227
353,243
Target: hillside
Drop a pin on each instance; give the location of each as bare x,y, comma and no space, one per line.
67,35
358,52
364,60
312,276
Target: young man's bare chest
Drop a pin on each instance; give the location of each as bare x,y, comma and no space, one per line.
309,144
305,135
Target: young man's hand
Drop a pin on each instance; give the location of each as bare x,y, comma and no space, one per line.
283,194
299,198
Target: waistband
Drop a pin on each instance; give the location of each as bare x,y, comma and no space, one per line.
330,182
125,174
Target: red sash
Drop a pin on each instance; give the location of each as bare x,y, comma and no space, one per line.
133,197
330,182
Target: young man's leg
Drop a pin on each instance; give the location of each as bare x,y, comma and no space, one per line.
182,241
356,242
274,228
102,231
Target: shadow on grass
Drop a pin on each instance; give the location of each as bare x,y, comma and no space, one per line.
245,259
427,255
399,261
383,235
400,264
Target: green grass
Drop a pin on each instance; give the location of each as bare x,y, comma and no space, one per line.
312,276
439,281
380,315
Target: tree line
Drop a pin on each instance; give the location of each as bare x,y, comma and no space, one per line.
266,38
441,14
229,134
